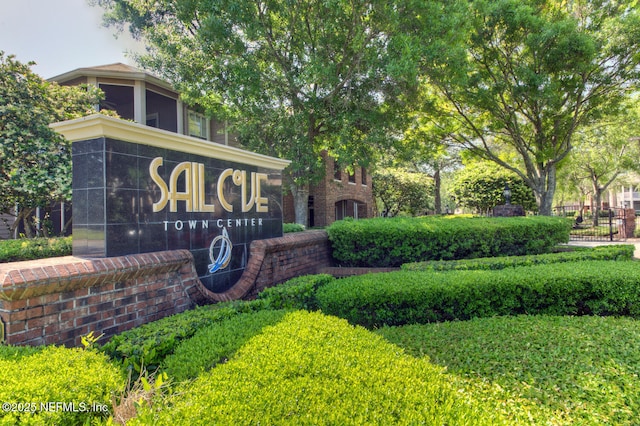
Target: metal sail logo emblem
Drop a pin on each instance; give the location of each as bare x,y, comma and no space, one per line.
223,258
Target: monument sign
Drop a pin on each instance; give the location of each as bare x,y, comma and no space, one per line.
137,189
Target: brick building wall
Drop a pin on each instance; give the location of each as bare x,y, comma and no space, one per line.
337,196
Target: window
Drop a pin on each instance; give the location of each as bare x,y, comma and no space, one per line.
119,99
164,109
337,175
153,120
363,175
352,175
198,125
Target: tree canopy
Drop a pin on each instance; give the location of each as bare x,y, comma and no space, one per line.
401,191
427,144
480,186
295,78
603,151
35,161
298,78
526,74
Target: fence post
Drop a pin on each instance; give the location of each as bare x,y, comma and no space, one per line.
611,225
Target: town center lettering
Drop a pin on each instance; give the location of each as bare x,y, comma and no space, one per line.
194,194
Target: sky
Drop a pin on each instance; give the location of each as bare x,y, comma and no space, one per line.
60,36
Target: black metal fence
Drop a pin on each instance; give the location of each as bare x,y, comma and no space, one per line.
599,225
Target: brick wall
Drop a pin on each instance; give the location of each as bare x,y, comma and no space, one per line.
56,301
276,260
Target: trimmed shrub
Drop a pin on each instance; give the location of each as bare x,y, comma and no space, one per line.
8,352
315,369
217,343
147,346
391,242
297,293
397,298
612,252
292,227
83,380
34,248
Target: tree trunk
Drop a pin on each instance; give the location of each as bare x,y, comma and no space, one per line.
581,214
438,184
301,203
66,226
28,229
545,191
597,201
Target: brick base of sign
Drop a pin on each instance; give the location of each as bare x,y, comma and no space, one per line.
58,300
508,210
276,260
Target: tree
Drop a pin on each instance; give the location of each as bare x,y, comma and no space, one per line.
605,150
427,144
401,191
35,161
480,186
527,74
294,78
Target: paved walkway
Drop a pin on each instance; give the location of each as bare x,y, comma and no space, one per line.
634,241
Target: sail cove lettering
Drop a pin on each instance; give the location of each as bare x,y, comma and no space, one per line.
194,194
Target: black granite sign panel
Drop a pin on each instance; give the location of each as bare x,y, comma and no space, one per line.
134,198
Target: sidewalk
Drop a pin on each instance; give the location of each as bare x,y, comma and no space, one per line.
634,241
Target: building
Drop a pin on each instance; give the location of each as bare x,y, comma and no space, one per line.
340,194
140,96
146,99
626,196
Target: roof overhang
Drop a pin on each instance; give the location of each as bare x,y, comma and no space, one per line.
114,71
99,125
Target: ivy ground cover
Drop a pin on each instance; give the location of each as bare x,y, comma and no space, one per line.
553,370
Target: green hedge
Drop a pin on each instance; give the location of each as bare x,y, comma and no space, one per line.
397,298
83,380
612,252
391,242
216,343
292,227
148,345
312,369
34,248
297,293
8,352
